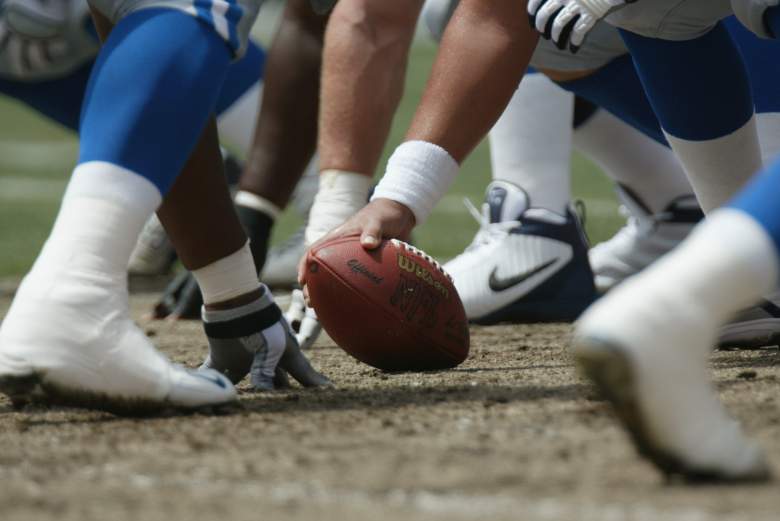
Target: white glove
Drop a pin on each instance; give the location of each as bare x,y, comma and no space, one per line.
568,22
44,39
302,320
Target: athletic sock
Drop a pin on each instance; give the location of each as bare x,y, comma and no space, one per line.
227,278
530,145
103,211
237,335
257,215
700,93
648,169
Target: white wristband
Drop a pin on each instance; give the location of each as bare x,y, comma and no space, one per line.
341,195
418,175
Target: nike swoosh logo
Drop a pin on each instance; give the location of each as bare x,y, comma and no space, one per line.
501,284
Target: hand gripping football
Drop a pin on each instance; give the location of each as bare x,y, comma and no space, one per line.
393,308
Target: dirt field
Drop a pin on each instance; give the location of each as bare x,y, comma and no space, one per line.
514,433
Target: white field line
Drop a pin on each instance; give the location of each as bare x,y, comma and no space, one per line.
30,189
447,505
23,156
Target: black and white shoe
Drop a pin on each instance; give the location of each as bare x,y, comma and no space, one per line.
645,238
525,264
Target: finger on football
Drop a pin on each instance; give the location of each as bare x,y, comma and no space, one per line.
371,236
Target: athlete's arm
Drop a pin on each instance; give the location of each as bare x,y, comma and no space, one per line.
483,56
286,133
364,64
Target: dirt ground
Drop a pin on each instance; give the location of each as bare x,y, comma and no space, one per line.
514,433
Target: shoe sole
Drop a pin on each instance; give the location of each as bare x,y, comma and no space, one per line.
32,389
751,334
530,312
610,369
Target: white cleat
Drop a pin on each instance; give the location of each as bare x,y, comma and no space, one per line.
153,253
281,267
68,339
525,264
648,355
643,239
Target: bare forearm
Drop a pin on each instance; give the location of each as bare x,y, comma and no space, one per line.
286,133
483,55
364,64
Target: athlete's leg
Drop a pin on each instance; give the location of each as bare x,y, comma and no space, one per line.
701,95
364,63
647,343
152,89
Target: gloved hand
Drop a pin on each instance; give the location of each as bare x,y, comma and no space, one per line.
568,22
303,320
44,39
267,355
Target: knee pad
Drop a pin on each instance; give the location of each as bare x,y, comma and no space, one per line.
751,14
437,14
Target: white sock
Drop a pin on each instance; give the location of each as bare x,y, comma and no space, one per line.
103,212
530,145
236,125
718,168
649,169
228,277
768,124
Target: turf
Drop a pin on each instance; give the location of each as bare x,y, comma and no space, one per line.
36,156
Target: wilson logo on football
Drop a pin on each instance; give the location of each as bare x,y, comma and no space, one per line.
408,265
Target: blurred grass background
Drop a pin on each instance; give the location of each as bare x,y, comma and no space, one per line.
36,158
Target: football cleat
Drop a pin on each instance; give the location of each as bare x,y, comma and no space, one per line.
755,327
90,353
154,253
644,238
281,267
525,264
648,355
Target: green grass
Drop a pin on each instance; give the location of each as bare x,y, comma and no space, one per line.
36,156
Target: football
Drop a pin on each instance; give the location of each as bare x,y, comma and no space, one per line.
393,308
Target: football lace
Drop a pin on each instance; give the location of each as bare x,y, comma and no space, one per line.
408,247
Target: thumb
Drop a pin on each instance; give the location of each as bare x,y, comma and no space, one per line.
371,236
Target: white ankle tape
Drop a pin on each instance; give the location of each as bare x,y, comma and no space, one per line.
418,175
255,202
229,277
340,195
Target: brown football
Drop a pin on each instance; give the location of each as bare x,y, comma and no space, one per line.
393,308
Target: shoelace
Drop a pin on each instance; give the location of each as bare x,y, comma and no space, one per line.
488,232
